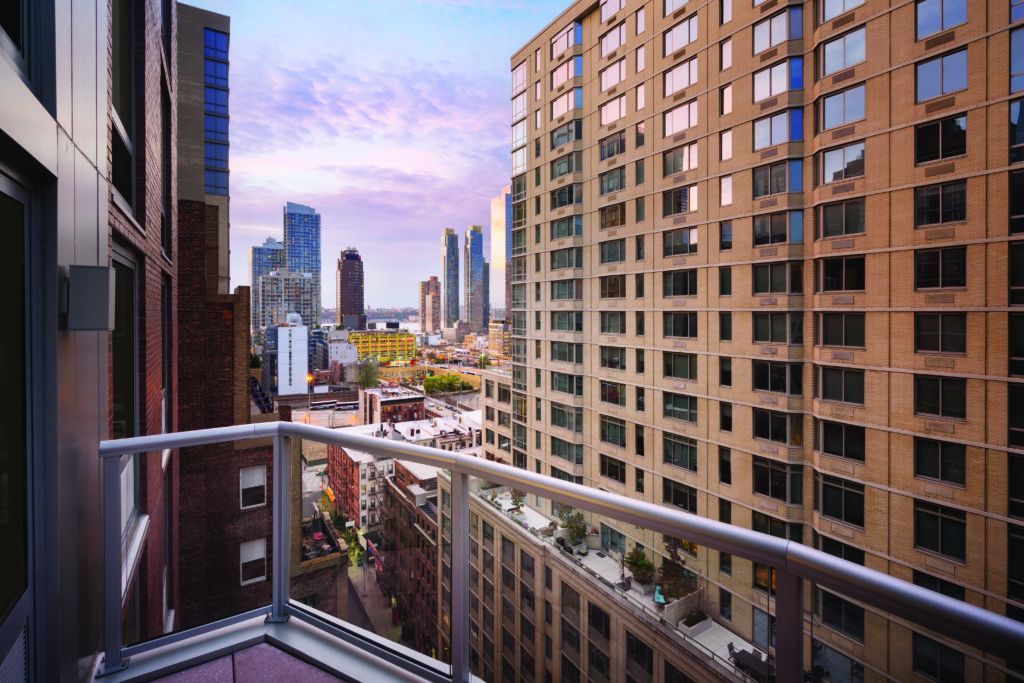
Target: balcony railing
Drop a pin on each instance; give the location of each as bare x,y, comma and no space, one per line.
794,563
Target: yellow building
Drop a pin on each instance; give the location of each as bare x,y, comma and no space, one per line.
384,347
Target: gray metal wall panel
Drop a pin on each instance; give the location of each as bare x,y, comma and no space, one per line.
63,54
85,59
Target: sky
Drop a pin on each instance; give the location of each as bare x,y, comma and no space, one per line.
389,117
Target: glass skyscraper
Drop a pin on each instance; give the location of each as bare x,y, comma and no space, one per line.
302,255
263,258
475,292
449,278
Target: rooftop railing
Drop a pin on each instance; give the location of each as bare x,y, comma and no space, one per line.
794,563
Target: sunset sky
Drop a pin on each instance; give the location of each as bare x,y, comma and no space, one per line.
389,117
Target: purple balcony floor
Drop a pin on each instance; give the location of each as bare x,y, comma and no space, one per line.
262,662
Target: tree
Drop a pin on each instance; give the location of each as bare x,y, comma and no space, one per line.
369,375
255,361
484,361
518,498
676,580
642,568
575,525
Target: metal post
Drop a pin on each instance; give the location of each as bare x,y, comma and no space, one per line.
282,527
112,564
460,578
789,627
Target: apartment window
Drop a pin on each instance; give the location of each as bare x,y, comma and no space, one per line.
937,661
613,357
843,163
564,165
724,511
571,257
725,281
842,386
639,166
680,35
778,78
612,181
679,200
680,365
778,228
725,371
567,384
939,460
566,133
680,407
833,8
680,324
611,40
680,452
567,417
778,378
639,323
778,29
1015,568
613,322
679,495
940,396
613,469
640,21
1017,128
566,227
725,99
942,75
640,212
253,561
763,524
941,139
841,615
679,160
778,481
639,285
724,465
1016,344
843,218
938,15
940,204
639,248
725,191
680,118
1016,10
613,216
566,451
252,484
778,427
725,236
680,242
567,321
612,110
844,51
725,417
680,77
940,332
679,283
613,392
613,286
566,352
639,68
725,54
940,529
778,328
787,126
841,499
567,196
1016,267
940,268
613,251
842,108
565,71
842,329
844,274
776,178
562,290
725,16
841,440
725,145
764,580
724,326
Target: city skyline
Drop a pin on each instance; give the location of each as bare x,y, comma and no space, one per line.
355,132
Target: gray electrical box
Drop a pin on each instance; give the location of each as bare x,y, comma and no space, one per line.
90,298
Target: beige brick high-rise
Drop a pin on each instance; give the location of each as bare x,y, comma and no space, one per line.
773,255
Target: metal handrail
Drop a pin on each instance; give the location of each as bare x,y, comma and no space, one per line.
971,625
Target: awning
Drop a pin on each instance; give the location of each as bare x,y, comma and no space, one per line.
330,494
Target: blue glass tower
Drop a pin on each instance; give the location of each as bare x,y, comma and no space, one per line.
302,255
449,278
475,292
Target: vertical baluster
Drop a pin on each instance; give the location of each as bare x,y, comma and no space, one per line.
112,563
281,526
789,627
460,578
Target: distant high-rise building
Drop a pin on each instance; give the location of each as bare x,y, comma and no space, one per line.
263,259
449,278
487,294
282,292
473,279
501,246
350,287
430,306
302,254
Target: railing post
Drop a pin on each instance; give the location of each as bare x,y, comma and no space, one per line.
112,564
281,526
460,578
789,627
